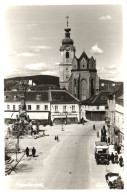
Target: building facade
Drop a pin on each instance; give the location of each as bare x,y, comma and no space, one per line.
57,106
116,116
95,107
84,81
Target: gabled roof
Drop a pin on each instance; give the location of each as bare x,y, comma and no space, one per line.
97,100
83,55
62,96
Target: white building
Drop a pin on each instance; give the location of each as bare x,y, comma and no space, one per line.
95,107
51,105
116,115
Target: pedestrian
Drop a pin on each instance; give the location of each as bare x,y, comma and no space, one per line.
109,157
27,151
116,158
118,149
33,152
57,138
94,127
121,161
112,157
97,133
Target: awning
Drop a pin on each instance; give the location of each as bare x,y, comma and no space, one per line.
10,115
64,116
38,115
32,115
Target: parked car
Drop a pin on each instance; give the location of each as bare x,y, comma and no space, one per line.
101,152
112,179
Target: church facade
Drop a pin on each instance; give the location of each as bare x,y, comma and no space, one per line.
77,75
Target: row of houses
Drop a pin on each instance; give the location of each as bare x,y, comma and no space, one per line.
57,106
60,107
61,104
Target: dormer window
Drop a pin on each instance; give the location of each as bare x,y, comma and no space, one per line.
15,97
38,97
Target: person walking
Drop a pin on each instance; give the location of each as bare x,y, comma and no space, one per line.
57,138
27,151
118,149
33,152
112,157
116,158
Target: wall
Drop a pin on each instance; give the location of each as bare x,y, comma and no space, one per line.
61,114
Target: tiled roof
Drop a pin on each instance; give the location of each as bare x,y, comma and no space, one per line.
118,92
99,99
62,97
30,96
58,96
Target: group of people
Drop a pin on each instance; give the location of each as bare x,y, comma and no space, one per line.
116,159
33,151
56,137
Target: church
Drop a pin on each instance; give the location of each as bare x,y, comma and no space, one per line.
77,75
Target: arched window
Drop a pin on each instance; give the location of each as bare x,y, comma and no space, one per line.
83,89
92,87
67,54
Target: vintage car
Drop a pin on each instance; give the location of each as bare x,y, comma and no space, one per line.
111,179
101,152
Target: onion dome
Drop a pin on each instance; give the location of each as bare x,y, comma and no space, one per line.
67,39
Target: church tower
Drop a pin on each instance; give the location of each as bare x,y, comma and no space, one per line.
67,54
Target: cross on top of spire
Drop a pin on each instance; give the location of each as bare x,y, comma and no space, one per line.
67,20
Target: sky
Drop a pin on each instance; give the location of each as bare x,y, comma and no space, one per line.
33,36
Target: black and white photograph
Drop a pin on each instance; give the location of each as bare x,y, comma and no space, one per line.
63,91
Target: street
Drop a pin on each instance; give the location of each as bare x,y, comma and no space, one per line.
65,164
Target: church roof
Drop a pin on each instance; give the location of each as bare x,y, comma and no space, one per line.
83,55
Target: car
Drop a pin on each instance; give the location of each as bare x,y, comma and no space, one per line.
101,150
111,179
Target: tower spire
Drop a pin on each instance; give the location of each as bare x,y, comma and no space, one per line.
67,17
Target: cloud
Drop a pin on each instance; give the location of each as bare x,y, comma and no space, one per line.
36,38
96,50
107,17
38,66
50,73
40,47
111,67
26,54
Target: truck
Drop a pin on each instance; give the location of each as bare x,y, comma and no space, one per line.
101,150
